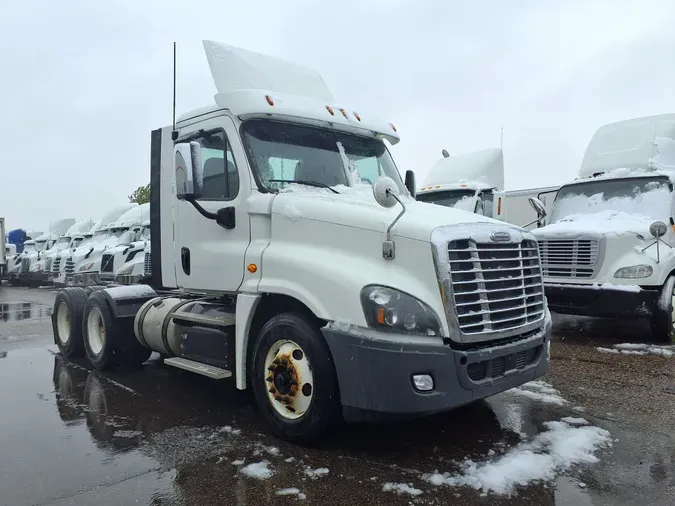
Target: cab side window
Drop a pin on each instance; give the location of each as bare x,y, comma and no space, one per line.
221,179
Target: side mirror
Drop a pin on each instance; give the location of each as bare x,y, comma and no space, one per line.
410,183
189,170
385,191
539,207
658,229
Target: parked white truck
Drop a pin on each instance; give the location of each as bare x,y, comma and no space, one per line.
4,254
90,246
129,245
608,248
474,182
40,267
27,274
273,262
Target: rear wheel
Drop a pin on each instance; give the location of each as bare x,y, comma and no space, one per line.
663,318
110,342
293,379
67,321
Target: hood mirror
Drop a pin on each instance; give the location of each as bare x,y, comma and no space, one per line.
386,194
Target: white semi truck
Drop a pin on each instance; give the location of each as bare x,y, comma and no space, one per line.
90,246
608,248
275,264
27,274
129,246
6,250
40,267
474,182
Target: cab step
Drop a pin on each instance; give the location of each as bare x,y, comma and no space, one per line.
209,371
203,320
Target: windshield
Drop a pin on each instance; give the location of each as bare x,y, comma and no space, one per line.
87,241
39,245
77,241
62,243
459,199
28,247
145,234
645,196
100,235
291,152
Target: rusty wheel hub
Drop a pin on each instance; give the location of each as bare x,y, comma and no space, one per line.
289,379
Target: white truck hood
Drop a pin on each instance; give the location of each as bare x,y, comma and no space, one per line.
602,223
358,209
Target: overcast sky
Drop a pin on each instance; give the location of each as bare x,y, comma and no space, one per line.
83,83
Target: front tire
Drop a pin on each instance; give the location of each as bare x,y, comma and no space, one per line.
663,318
293,379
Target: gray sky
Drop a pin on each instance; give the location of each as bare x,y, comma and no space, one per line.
83,82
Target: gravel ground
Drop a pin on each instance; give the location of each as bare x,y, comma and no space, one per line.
163,436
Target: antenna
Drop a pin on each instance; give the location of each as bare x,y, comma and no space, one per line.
174,132
501,138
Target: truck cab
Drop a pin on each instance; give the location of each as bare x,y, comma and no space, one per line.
474,182
609,247
289,255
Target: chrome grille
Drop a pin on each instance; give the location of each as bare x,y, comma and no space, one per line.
107,263
147,264
69,269
568,258
496,287
56,265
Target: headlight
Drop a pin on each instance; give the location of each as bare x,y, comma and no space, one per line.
125,270
87,267
389,309
634,271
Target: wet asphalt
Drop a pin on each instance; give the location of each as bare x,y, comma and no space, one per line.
161,436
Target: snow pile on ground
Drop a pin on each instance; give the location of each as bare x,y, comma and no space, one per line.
539,391
550,453
258,470
640,349
316,473
401,488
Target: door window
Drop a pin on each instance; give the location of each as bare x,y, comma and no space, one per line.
221,179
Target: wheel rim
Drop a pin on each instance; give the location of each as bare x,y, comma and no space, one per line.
95,331
63,323
288,379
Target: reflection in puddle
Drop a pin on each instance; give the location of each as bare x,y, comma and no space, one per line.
15,311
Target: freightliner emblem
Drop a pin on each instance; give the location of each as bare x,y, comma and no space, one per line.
500,237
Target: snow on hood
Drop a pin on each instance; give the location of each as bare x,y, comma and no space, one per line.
603,222
356,207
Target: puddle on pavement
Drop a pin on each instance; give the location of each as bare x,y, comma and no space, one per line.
177,438
16,311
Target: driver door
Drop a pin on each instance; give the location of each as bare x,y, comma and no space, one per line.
207,256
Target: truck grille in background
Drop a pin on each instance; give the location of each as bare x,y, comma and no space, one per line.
25,265
56,266
107,263
70,269
496,287
562,258
147,264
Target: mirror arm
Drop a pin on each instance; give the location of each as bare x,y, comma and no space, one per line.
206,214
398,217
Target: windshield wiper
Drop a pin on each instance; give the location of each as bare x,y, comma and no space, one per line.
307,183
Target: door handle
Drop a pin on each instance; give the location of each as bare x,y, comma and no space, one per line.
185,260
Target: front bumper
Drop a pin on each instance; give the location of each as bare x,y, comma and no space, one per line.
600,302
128,279
35,277
375,372
86,278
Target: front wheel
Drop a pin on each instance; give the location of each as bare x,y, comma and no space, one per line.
293,379
663,317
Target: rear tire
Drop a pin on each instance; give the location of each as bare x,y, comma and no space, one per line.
110,342
67,321
663,318
293,379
